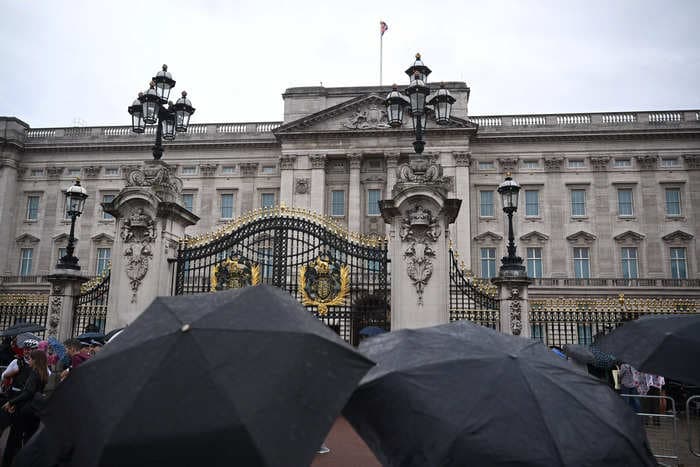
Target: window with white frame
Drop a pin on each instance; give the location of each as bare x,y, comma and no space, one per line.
337,203
36,172
532,203
582,265
228,169
33,207
625,202
673,201
576,163
670,162
534,262
578,203
226,202
630,269
488,263
531,164
267,200
622,163
374,195
112,171
73,172
268,169
188,201
104,256
486,207
486,165
107,198
189,170
61,253
679,266
25,261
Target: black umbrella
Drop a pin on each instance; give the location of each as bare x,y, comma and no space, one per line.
666,345
112,333
462,394
580,353
370,331
19,328
241,377
89,336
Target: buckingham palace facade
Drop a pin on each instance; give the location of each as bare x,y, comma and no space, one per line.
608,199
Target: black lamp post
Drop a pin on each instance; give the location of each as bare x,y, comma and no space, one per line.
75,200
511,265
416,99
150,108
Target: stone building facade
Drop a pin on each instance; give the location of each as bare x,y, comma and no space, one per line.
608,199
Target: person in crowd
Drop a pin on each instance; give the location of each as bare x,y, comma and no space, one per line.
22,407
6,353
633,384
78,352
95,346
658,403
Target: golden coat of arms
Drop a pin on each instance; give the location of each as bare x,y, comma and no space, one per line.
234,273
324,283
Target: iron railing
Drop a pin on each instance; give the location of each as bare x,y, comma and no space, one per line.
471,298
90,313
27,308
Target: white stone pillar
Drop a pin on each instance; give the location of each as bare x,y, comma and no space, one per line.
149,221
65,287
9,199
287,180
318,183
514,305
354,207
419,214
462,227
392,162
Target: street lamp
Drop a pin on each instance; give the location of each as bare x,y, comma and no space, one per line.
416,98
75,200
150,108
511,265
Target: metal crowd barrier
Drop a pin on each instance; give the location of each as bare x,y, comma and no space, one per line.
661,426
692,414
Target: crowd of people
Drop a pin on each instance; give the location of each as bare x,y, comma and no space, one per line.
33,368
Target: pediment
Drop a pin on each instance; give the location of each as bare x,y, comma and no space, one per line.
534,236
581,237
63,237
677,236
360,114
26,239
103,237
488,237
629,236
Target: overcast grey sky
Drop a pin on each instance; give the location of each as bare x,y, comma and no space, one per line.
84,61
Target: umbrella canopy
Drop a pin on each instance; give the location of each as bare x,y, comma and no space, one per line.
112,334
19,328
90,336
580,353
27,336
462,394
370,331
241,377
666,345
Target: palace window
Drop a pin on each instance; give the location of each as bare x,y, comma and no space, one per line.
25,261
32,207
576,164
670,162
582,265
488,263
268,169
534,262
267,200
73,172
673,201
679,269
189,170
373,197
622,163
578,203
188,201
226,201
228,170
337,203
112,171
486,208
624,202
629,263
486,165
36,172
532,203
531,164
107,198
104,255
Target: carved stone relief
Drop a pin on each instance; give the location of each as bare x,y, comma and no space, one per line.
355,161
364,119
516,323
54,172
508,164
553,163
208,170
302,185
92,171
158,177
287,162
249,169
462,159
420,228
647,161
692,161
392,159
138,231
55,308
318,161
600,163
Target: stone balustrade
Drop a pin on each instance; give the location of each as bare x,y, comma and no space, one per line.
614,283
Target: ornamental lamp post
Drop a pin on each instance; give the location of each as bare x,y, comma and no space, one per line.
511,265
416,99
150,108
75,200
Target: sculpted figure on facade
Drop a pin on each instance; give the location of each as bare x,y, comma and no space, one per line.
138,227
158,177
599,163
367,119
208,170
420,227
55,308
302,185
516,323
553,163
647,161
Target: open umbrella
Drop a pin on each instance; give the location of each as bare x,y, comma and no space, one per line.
19,328
370,331
580,353
666,345
462,394
112,334
240,377
90,336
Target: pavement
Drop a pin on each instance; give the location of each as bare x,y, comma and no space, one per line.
347,449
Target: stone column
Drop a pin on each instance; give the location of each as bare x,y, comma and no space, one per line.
354,207
150,220
287,180
318,183
247,191
65,287
462,228
419,214
392,162
514,308
12,135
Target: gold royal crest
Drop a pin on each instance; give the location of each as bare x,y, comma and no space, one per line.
234,273
324,283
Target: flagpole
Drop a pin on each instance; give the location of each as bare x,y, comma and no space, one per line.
381,56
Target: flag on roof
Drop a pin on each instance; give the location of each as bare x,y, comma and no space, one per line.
383,27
